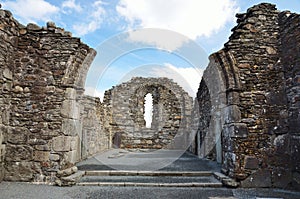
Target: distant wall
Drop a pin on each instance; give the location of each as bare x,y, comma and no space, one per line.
124,114
93,138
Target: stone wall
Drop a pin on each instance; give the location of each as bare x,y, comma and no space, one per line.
124,114
93,139
246,114
43,72
289,143
256,76
8,42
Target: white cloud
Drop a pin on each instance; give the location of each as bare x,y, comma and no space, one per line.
71,4
94,20
32,10
191,75
162,39
188,78
192,18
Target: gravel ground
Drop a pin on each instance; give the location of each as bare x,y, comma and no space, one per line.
24,190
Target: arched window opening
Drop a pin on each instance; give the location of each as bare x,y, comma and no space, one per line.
148,110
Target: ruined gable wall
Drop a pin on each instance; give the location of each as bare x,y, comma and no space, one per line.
124,113
42,131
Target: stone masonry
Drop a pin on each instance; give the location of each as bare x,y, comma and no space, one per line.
252,89
43,72
124,114
246,114
93,138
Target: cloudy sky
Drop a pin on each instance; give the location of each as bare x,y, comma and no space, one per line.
170,38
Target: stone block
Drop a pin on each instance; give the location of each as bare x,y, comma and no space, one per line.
251,162
35,141
41,156
5,115
261,178
71,127
18,153
67,172
75,143
281,178
32,26
18,135
236,130
70,180
61,143
43,147
71,156
54,157
70,109
70,94
7,74
232,114
21,171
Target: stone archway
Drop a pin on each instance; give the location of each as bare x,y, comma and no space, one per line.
215,108
44,73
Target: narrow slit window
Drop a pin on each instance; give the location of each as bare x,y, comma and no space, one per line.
148,110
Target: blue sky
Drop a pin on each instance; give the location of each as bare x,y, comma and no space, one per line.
170,38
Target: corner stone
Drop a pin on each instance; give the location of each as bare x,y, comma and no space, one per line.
61,143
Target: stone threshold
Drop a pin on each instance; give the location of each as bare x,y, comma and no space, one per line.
147,173
130,184
221,180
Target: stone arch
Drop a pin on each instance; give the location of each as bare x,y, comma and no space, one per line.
219,85
47,70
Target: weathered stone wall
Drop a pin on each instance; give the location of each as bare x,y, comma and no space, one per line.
201,121
254,46
246,114
93,139
124,114
258,107
289,143
8,44
42,76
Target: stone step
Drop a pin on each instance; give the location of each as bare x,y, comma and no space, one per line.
150,178
138,184
151,181
146,173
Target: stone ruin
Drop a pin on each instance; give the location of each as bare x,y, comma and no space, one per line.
249,100
124,111
246,114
